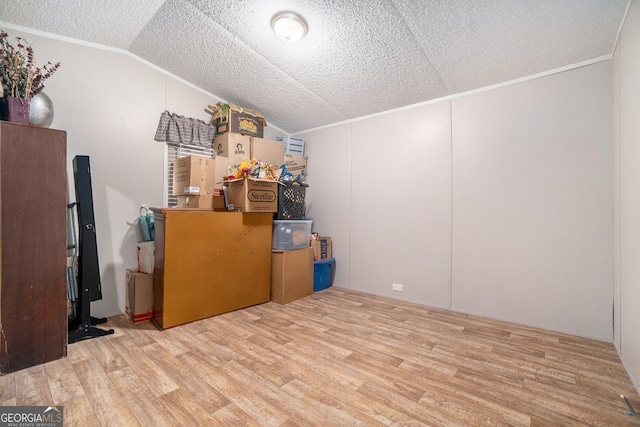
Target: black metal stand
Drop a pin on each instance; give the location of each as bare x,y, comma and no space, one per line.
85,322
88,269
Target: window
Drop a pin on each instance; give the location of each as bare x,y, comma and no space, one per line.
184,137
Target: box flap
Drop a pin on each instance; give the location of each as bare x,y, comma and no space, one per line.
253,179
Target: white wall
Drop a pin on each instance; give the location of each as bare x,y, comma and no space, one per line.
496,203
627,192
401,204
532,204
615,82
328,198
109,103
360,196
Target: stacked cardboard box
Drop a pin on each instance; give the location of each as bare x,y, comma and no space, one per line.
193,181
237,147
321,247
296,165
292,265
232,148
248,194
292,275
193,176
292,269
252,195
139,297
235,119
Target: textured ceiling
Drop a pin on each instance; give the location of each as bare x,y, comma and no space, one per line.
360,57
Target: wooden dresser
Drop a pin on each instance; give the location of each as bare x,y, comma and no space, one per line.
33,256
209,263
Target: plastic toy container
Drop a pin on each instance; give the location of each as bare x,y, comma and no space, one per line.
290,234
322,274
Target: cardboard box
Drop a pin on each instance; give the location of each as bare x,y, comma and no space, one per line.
218,203
268,151
252,195
235,119
222,169
139,304
292,275
321,248
233,146
296,165
196,202
193,176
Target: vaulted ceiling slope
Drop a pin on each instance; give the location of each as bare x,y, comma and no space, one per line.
360,57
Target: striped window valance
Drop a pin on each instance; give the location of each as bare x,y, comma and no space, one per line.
184,137
176,129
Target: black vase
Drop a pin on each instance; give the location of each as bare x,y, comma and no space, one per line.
4,109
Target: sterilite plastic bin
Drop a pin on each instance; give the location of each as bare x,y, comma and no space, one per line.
290,234
322,274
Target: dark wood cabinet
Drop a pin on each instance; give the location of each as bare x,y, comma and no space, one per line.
33,199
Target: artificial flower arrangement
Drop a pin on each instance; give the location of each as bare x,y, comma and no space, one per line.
20,76
255,169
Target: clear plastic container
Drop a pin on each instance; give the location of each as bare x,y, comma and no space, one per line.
291,234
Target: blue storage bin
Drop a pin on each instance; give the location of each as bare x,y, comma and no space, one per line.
322,274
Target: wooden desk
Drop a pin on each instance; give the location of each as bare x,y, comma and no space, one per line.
209,263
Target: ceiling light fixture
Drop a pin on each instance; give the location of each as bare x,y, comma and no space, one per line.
288,26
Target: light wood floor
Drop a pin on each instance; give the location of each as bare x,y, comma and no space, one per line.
335,358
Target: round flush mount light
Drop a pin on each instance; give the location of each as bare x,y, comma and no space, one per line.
288,26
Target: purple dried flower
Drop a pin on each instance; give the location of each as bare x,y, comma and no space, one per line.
19,75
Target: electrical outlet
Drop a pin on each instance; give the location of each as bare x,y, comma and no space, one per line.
396,287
